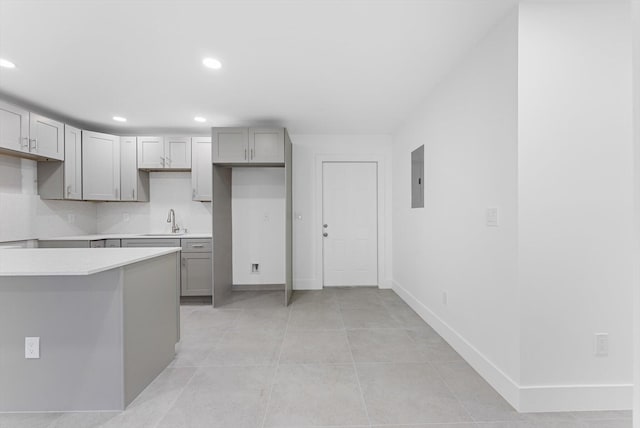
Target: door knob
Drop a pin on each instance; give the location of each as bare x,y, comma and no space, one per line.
325,225
325,234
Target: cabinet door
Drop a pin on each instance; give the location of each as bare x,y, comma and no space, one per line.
128,168
150,242
72,163
151,152
14,128
230,145
177,152
100,166
47,137
196,273
112,243
201,168
266,145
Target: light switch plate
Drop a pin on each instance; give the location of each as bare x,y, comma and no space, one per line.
492,217
601,344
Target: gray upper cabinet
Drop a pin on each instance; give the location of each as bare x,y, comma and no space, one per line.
30,134
46,137
72,162
177,152
201,168
266,145
248,145
164,153
134,183
150,152
230,145
100,166
14,128
63,180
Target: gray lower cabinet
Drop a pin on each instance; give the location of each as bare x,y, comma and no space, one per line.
196,262
98,243
196,274
43,243
112,243
150,242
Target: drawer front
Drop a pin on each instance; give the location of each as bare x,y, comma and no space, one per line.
196,245
112,243
63,244
128,243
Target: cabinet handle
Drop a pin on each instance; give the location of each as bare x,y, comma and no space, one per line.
68,189
197,246
193,194
162,160
184,262
32,145
26,142
133,193
245,154
251,157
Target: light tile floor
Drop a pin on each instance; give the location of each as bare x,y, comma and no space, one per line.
334,358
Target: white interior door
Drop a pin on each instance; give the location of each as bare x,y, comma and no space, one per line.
350,223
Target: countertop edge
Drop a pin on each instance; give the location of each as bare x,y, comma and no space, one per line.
158,252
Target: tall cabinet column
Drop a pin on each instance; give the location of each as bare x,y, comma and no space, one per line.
246,147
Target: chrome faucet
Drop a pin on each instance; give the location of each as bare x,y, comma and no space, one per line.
172,219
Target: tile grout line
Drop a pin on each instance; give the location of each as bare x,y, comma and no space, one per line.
175,400
473,419
222,337
196,369
277,369
355,369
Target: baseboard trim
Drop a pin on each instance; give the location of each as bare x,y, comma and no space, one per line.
565,398
307,284
525,398
492,374
386,284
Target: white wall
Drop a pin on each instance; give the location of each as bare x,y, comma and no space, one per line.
537,122
468,126
25,216
308,153
258,225
636,122
167,190
575,175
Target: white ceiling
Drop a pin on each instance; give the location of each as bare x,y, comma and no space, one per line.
333,66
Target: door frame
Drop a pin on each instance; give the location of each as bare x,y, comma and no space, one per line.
384,253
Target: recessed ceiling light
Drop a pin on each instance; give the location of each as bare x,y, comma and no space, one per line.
119,119
6,63
199,119
212,63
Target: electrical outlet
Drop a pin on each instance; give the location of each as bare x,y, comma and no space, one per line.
32,347
601,344
445,298
255,268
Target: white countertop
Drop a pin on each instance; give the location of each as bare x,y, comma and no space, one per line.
129,236
72,261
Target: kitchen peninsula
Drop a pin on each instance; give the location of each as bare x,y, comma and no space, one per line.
107,321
